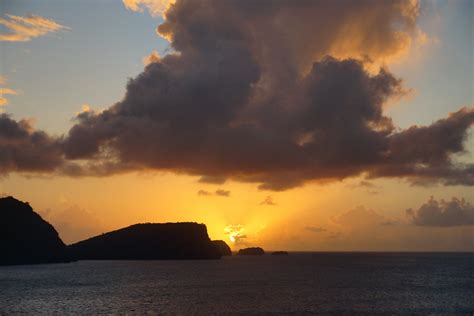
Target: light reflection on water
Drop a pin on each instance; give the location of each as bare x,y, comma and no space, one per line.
384,283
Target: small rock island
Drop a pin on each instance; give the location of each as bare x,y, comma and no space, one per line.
252,251
280,253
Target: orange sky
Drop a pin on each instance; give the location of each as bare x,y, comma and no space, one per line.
307,218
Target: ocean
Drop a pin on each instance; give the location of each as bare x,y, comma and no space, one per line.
300,283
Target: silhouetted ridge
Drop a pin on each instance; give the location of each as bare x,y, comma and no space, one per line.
26,238
149,241
280,253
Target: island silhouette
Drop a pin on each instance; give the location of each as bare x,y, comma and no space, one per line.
149,241
26,238
280,253
251,251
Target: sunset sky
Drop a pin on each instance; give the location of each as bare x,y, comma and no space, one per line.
293,125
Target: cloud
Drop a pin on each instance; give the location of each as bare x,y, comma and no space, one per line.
226,106
204,193
268,201
221,192
367,185
315,229
212,179
276,93
218,192
456,212
154,7
360,217
154,57
23,29
26,150
5,91
424,153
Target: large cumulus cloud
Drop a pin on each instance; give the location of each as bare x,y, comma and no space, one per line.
272,92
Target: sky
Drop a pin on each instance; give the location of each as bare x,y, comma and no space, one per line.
291,125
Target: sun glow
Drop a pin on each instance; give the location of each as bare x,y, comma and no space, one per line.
235,232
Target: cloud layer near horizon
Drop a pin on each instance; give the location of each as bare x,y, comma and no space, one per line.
272,92
456,212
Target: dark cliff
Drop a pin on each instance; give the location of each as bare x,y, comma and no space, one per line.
26,238
149,242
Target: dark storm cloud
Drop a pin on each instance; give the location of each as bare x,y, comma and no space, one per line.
274,93
212,179
26,150
425,152
456,212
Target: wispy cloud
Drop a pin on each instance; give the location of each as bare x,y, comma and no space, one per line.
154,7
22,29
218,192
204,193
268,201
315,229
221,192
5,91
367,185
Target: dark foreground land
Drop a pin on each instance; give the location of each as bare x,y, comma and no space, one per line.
301,283
26,238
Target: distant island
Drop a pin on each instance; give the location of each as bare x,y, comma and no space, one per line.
252,251
26,238
280,253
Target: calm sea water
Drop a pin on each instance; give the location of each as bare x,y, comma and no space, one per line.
326,283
